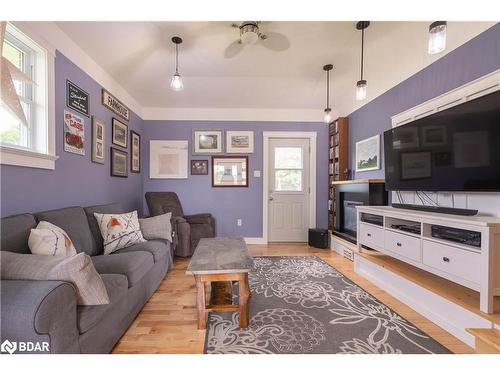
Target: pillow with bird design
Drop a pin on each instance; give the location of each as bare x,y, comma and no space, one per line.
49,239
119,230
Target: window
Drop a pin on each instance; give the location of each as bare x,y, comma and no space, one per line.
288,169
31,144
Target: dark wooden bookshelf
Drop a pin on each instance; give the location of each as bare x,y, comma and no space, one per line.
338,158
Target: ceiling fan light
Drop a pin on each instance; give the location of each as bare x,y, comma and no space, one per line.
249,33
437,37
361,90
328,115
176,83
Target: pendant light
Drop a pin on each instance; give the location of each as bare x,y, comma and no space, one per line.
176,82
328,110
437,37
361,84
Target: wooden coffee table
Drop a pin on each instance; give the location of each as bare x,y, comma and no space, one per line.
221,259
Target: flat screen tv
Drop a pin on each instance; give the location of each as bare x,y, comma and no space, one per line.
457,149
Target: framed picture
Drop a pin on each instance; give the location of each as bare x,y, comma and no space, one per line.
135,152
208,141
98,131
119,133
115,105
229,171
168,159
415,165
434,136
239,142
77,99
403,138
368,154
199,167
119,164
74,133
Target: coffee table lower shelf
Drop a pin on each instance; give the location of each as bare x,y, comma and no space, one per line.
243,297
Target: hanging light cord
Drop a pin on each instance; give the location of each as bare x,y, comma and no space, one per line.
177,59
327,89
362,50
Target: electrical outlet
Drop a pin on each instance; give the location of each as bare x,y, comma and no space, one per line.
238,222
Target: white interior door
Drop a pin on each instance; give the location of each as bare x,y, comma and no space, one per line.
288,208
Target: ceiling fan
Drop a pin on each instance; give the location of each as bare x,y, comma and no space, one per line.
250,33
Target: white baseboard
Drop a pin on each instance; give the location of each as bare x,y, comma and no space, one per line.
449,316
255,241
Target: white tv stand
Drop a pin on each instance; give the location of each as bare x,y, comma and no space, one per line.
477,268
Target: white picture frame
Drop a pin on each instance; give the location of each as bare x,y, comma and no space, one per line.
168,159
368,154
208,141
239,142
98,140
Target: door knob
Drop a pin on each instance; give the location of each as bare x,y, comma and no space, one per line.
271,198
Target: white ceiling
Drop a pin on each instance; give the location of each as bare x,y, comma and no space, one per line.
140,57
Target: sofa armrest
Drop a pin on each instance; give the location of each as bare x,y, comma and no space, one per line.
199,219
40,311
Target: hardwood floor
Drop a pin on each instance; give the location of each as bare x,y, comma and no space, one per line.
168,322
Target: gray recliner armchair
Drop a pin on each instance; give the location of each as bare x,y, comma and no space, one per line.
188,228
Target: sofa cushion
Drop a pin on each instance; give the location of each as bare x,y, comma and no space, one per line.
74,221
15,232
76,269
49,239
113,208
89,316
158,248
157,227
134,265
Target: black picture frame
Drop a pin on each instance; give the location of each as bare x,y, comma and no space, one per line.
122,169
115,125
77,99
199,167
134,135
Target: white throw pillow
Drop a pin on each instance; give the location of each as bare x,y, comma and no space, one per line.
49,239
119,230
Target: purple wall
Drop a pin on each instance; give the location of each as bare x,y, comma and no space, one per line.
76,180
468,62
229,204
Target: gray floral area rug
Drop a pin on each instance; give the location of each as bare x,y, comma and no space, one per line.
303,305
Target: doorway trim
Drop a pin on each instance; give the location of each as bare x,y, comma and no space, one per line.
265,175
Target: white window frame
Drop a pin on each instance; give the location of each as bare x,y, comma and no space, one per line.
42,152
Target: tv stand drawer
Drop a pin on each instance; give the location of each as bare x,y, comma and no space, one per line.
401,244
371,235
462,263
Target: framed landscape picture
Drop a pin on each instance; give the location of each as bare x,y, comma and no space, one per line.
120,133
119,164
168,159
199,167
368,154
208,141
98,132
135,152
229,171
239,142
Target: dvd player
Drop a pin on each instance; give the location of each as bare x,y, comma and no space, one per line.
438,210
463,236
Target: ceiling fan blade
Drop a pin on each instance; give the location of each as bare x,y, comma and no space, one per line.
233,49
276,42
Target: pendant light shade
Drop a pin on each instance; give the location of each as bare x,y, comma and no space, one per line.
328,111
437,37
176,82
361,85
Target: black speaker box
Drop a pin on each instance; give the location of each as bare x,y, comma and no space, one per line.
318,238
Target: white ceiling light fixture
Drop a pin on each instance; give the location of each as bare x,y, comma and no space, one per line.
176,82
437,37
249,32
361,84
328,110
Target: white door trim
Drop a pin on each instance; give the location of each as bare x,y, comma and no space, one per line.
265,175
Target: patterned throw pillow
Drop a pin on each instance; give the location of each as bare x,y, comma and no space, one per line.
49,239
119,230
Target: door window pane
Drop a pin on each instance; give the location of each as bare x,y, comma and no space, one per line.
288,180
288,158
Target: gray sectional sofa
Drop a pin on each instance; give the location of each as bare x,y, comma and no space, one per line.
47,310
